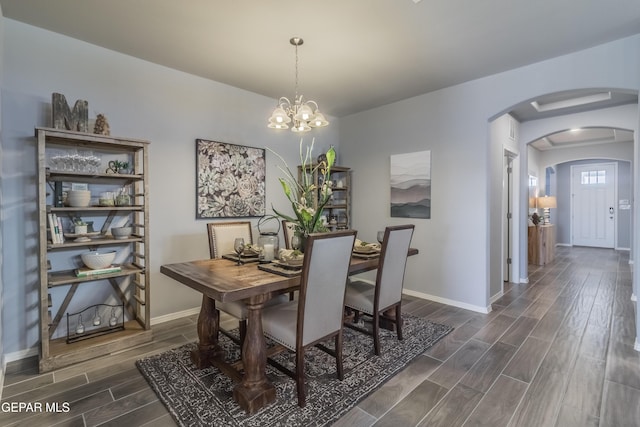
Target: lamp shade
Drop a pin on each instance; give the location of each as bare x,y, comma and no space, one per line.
547,202
305,113
279,116
301,126
318,121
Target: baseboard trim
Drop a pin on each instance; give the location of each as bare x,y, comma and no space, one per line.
634,298
496,297
524,280
636,345
19,355
447,301
568,245
174,316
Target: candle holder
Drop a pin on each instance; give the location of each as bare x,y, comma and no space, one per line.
97,324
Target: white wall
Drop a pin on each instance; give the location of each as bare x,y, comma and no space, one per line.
140,100
456,247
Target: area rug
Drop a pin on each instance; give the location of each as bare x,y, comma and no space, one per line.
203,397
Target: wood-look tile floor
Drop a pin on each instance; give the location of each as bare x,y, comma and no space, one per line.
555,352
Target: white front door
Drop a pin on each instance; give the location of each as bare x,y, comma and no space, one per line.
593,204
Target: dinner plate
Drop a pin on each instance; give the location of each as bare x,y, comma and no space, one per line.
364,249
289,263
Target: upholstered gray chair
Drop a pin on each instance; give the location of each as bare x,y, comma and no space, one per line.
318,312
221,239
386,293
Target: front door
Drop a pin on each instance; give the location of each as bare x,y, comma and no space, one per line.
593,204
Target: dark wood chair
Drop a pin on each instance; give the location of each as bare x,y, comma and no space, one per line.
374,299
288,230
317,314
221,240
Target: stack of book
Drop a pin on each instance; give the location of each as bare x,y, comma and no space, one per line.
88,272
55,228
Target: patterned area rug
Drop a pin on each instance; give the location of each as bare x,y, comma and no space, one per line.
204,397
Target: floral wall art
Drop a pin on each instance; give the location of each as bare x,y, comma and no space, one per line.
230,180
411,185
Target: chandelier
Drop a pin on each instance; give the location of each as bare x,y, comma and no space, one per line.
303,115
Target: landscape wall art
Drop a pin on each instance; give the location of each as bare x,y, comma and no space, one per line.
411,185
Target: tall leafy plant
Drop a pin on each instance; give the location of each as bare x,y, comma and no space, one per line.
303,192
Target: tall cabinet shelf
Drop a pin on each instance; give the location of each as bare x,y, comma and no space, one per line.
339,206
58,261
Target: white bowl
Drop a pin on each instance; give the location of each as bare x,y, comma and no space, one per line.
79,198
121,232
95,260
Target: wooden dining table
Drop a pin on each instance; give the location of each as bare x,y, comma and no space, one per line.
224,280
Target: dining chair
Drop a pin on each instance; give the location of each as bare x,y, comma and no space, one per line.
223,234
317,313
221,240
374,299
289,229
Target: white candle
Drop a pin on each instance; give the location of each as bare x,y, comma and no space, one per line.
268,252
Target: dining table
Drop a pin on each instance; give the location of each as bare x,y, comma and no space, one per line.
224,280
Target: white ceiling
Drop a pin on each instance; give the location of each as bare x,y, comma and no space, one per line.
357,54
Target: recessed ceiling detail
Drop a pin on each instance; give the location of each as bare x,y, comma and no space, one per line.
571,102
582,137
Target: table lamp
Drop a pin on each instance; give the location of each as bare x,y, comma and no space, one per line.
546,203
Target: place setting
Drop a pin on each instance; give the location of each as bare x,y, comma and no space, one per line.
244,253
367,250
289,261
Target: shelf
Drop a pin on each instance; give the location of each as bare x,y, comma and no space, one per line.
130,208
67,277
97,242
62,354
94,178
89,140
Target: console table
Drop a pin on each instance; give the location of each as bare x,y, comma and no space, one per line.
542,244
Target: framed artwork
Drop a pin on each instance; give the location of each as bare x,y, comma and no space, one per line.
411,185
230,180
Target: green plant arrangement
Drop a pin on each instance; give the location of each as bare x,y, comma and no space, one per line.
302,193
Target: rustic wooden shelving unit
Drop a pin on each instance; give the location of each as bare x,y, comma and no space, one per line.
130,285
340,204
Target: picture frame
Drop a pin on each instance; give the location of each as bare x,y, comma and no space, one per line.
230,180
410,179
